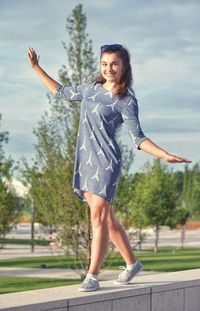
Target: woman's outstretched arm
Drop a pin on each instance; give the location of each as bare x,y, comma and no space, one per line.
149,147
50,83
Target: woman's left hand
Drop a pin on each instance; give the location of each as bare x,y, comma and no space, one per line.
170,158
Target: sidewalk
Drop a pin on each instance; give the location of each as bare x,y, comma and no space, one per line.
167,237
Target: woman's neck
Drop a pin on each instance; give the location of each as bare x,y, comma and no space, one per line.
109,86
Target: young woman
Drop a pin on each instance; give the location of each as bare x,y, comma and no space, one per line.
106,103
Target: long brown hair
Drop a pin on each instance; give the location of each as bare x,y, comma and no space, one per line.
126,79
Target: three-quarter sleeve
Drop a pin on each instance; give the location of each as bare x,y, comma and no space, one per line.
129,113
70,92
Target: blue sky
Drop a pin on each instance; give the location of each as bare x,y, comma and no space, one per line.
162,37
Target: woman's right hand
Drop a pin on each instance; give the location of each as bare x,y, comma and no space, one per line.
33,58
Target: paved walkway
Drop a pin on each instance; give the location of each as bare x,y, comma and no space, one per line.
167,237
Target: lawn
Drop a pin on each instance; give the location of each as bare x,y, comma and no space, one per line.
167,259
24,242
10,284
37,262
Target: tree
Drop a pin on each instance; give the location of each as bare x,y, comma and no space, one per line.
137,206
191,189
154,200
195,195
124,190
9,203
187,187
182,215
51,175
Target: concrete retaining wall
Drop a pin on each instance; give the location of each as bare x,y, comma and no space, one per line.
178,291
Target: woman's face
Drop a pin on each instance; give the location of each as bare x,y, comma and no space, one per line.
111,67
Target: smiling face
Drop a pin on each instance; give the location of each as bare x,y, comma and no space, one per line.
111,67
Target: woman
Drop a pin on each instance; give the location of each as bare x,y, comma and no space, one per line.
105,104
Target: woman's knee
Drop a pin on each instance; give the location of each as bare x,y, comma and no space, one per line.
99,212
111,220
99,215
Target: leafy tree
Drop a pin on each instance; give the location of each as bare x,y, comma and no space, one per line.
181,217
51,175
137,206
154,199
124,190
187,187
191,190
195,195
9,203
179,178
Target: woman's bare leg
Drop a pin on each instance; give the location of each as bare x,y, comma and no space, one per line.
119,238
99,209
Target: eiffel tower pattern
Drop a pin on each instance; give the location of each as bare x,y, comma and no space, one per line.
89,161
85,187
96,175
83,147
103,191
116,182
98,158
95,110
101,151
112,105
92,134
74,94
110,166
93,98
79,170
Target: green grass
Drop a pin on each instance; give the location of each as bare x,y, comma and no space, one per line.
9,284
167,259
195,219
24,242
36,262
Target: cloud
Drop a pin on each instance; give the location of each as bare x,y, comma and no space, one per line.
162,37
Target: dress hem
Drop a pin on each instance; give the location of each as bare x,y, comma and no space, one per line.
79,193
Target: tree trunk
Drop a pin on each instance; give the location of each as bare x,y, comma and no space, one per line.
140,239
77,242
182,236
156,239
33,230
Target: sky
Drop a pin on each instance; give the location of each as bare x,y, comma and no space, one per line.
164,42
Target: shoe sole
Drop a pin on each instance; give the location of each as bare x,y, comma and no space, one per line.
87,290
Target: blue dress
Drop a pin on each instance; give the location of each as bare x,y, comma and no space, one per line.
98,158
